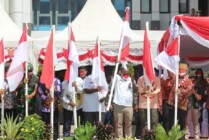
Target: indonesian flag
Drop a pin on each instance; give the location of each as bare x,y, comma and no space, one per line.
149,74
47,75
72,60
98,73
16,70
164,41
1,65
169,59
125,37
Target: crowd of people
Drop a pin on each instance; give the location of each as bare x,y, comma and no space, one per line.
129,99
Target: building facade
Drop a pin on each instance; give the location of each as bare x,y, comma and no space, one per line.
41,14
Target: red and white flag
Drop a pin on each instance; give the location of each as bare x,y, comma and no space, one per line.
149,73
169,59
72,60
2,65
47,75
98,73
16,70
125,37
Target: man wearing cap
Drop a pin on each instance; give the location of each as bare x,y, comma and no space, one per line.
123,101
32,82
185,89
68,103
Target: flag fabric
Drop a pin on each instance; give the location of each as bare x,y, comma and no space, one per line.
2,65
169,59
98,73
72,60
149,74
47,75
16,70
125,37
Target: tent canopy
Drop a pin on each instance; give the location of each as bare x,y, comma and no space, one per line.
93,21
9,31
194,39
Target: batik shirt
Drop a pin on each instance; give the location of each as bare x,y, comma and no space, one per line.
9,98
45,101
185,86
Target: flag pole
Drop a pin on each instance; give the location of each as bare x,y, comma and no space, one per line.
74,97
148,97
100,82
114,77
26,84
52,91
2,112
26,89
176,88
2,98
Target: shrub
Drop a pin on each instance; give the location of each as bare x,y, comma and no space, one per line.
104,132
85,132
174,134
33,128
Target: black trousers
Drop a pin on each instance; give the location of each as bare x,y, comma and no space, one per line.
93,117
67,120
166,123
46,119
181,117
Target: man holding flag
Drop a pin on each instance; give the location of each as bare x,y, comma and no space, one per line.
123,101
149,88
95,89
185,89
69,104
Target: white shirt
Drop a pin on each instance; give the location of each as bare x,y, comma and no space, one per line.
67,92
91,101
123,91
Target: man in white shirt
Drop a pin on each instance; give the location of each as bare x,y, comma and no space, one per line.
123,101
93,95
68,103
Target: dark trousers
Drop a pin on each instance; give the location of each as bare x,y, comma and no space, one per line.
92,117
67,120
181,117
138,130
165,120
46,119
153,119
109,118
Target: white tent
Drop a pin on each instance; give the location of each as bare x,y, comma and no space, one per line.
9,31
11,34
99,18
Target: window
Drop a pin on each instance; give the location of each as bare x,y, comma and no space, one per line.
44,6
63,6
120,6
183,6
146,6
164,6
55,12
